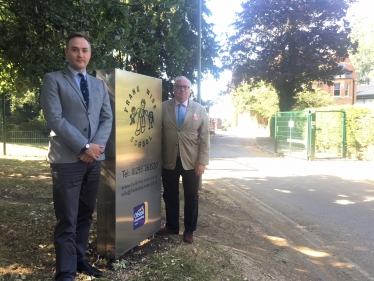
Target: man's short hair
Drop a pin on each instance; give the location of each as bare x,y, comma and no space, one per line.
182,77
80,34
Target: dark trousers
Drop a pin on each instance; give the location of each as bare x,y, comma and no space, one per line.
170,181
75,187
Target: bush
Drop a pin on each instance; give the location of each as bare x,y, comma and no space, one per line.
360,133
359,126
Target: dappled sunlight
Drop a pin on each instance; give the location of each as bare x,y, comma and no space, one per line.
311,190
312,253
343,265
343,196
144,242
277,241
300,270
283,191
368,199
344,202
281,242
16,268
363,249
256,179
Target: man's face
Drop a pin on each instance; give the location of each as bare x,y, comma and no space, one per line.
78,53
182,90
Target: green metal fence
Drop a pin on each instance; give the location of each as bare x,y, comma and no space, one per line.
20,129
310,134
28,134
291,133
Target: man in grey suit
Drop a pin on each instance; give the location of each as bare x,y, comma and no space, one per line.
76,107
185,152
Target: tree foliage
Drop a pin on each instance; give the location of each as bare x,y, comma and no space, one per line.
261,99
289,44
150,37
362,24
258,99
312,99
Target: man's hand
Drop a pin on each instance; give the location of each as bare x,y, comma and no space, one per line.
200,169
91,154
85,158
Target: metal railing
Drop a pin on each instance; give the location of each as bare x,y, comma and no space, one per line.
28,136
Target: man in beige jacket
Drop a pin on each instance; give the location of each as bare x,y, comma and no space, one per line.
185,152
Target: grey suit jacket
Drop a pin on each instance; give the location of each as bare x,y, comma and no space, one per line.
193,136
68,117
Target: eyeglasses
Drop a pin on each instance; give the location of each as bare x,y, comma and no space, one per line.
179,87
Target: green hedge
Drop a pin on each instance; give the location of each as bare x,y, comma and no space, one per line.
360,133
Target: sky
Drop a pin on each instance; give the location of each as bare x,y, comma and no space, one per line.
222,17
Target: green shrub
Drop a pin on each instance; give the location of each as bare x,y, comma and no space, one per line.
360,133
359,126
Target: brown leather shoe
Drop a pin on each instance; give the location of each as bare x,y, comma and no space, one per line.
167,231
188,237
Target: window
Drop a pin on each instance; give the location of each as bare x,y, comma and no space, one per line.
337,90
347,88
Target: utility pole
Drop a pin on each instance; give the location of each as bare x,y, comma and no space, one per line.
199,16
199,52
4,125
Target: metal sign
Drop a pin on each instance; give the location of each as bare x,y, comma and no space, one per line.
129,199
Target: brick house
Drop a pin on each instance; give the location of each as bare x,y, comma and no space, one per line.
344,86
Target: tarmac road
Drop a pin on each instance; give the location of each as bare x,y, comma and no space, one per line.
322,209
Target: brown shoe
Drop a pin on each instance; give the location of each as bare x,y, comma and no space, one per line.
167,231
188,237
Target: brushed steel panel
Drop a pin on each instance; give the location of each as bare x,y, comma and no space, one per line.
129,201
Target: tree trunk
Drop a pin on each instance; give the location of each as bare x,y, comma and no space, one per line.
286,94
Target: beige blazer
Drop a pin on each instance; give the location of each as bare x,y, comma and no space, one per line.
192,137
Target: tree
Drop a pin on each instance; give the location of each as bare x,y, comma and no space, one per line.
362,24
151,37
289,44
34,34
258,99
170,41
312,99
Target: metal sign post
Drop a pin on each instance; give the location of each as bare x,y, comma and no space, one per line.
129,199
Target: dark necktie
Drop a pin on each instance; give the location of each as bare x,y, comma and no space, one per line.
86,96
180,114
84,89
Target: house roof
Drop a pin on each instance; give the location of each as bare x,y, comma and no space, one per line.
365,92
347,72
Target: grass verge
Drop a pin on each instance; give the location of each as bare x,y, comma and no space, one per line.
27,252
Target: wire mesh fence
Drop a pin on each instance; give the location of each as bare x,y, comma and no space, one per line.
30,141
310,134
22,131
291,133
28,134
